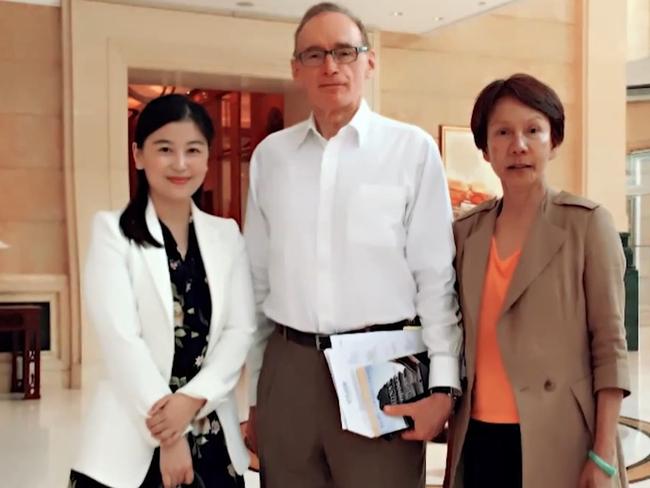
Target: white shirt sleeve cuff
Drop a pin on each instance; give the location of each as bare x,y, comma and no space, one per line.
444,371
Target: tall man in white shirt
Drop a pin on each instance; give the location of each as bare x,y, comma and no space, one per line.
348,228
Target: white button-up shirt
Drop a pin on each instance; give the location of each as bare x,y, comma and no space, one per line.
353,231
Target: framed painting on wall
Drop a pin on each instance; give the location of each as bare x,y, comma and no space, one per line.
470,177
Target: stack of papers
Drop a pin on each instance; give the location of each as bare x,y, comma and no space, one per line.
363,366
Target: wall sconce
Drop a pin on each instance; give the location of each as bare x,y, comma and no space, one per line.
3,246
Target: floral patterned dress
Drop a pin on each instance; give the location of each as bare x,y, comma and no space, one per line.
192,313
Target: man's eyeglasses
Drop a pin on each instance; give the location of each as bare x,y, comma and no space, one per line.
340,55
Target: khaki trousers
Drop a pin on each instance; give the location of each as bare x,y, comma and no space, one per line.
301,443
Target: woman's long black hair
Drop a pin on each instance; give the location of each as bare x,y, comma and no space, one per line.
159,112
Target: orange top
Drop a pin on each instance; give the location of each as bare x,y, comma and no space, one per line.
493,399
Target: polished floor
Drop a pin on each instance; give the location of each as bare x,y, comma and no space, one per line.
37,438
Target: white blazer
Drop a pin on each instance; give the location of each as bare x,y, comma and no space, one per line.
128,295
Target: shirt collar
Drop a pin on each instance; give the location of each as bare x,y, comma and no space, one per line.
360,123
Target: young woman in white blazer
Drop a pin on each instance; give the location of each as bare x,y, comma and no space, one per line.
167,288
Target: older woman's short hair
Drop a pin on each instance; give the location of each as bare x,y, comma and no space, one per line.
527,90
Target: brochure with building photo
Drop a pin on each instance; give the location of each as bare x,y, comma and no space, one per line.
370,370
393,382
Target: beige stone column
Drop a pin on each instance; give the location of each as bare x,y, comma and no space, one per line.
603,133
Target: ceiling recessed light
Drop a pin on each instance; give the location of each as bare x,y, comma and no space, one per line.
245,4
438,19
481,4
397,14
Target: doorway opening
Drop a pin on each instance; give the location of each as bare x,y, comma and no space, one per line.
241,119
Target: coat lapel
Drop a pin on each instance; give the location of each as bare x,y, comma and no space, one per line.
214,260
476,252
156,259
544,240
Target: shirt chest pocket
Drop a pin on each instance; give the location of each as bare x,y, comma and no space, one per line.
376,215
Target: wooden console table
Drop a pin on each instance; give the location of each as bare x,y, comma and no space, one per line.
25,363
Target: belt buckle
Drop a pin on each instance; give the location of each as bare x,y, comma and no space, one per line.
322,342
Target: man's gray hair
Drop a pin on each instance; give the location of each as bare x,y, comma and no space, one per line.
330,7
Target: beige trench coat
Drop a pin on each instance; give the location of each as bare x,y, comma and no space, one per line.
561,333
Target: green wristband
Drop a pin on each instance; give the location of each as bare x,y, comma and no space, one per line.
604,466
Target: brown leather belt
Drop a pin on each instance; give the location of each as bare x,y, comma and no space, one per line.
320,342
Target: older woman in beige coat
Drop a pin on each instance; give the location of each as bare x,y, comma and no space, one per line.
540,277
